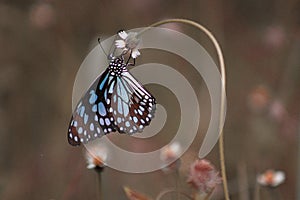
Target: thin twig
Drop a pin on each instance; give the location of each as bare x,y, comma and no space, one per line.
298,173
171,190
222,109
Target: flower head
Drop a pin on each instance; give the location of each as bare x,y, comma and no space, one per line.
274,37
203,176
129,42
278,111
271,178
259,98
42,15
96,158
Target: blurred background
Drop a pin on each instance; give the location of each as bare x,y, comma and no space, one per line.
42,44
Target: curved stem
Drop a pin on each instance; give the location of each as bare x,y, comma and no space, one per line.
222,67
171,190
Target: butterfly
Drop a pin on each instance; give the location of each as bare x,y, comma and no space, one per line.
115,101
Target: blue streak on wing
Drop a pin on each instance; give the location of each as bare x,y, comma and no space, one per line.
93,97
94,108
103,82
120,105
115,98
111,88
86,117
101,109
81,111
125,109
123,92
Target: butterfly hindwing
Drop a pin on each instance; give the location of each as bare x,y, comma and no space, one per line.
85,122
132,105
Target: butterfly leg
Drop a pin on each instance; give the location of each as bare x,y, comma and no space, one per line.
127,63
129,57
130,64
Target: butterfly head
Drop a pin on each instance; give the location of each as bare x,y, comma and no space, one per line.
116,61
117,66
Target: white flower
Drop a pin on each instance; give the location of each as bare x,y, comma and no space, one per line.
271,178
135,53
123,34
170,152
120,44
96,157
129,42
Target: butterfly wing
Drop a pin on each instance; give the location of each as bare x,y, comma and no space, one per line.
115,101
132,105
91,119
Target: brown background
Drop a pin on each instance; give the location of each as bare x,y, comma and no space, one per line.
42,44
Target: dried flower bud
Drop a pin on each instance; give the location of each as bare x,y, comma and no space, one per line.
203,176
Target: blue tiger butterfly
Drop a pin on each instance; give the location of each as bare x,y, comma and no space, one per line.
116,101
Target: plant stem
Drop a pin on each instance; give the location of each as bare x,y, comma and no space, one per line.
222,68
243,180
257,192
177,183
275,194
99,185
208,195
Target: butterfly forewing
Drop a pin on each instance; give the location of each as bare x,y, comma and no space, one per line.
89,115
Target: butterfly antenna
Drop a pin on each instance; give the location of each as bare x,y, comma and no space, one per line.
99,41
129,57
111,54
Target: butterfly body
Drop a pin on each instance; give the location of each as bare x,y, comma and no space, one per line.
116,101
